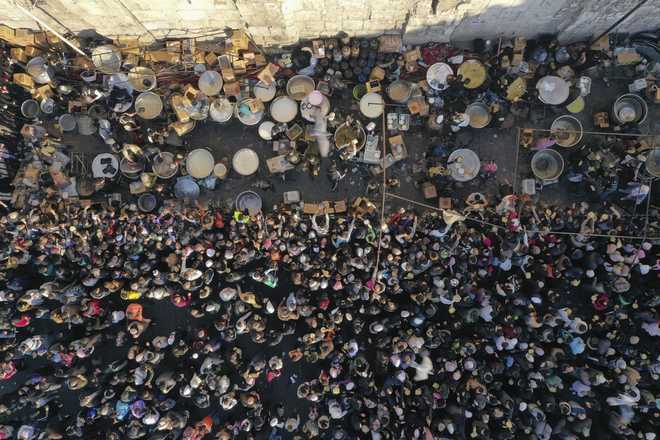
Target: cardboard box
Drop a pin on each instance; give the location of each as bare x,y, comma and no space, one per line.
177,104
239,40
200,57
373,86
188,46
444,203
278,164
396,140
412,55
18,53
225,68
128,45
232,88
291,197
24,80
389,43
603,43
24,37
211,59
412,67
47,39
162,56
377,73
131,60
7,33
260,60
267,74
602,120
327,207
418,106
255,105
31,52
429,190
44,92
248,57
18,37
240,67
173,46
626,57
517,59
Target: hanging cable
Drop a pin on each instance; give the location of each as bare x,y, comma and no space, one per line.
382,204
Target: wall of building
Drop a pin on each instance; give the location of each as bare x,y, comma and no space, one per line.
279,22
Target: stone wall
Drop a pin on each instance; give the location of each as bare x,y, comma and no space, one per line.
279,22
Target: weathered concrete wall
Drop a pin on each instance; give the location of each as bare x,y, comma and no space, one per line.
277,22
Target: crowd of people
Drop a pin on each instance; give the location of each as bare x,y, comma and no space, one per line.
520,322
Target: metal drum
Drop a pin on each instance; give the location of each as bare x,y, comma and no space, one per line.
284,109
265,92
372,105
630,109
300,86
67,122
245,162
142,79
479,114
107,58
210,83
40,72
221,110
463,165
567,131
348,134
131,170
249,112
199,163
547,165
105,165
249,201
266,130
437,76
400,91
553,90
220,171
312,103
472,73
148,105
147,202
164,165
47,106
186,188
30,108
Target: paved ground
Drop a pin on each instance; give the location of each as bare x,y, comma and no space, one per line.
490,143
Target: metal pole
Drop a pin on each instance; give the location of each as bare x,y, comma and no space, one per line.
47,26
619,21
